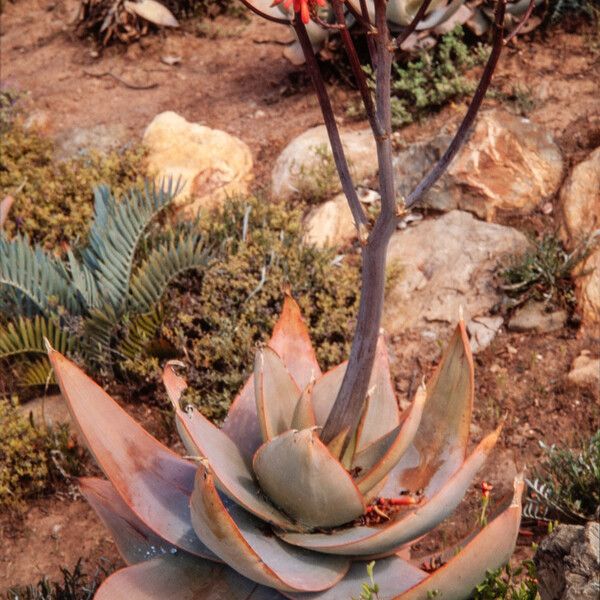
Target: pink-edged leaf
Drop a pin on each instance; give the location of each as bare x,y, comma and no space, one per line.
299,474
440,446
326,390
181,577
151,479
406,527
392,575
291,341
381,414
242,542
276,394
379,458
304,414
135,542
227,463
488,550
5,206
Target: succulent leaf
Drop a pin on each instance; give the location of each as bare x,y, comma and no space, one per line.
488,550
136,543
441,444
388,538
290,339
304,414
378,459
152,480
276,394
300,475
240,540
227,464
325,391
182,577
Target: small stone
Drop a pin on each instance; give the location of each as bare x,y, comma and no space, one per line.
532,317
259,114
330,225
482,331
585,372
46,411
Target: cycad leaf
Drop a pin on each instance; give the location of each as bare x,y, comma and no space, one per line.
140,331
38,281
26,336
114,236
37,372
170,257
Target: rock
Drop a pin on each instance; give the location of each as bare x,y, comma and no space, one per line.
567,563
51,410
585,372
330,224
580,219
301,156
508,164
442,264
482,330
80,140
532,317
211,163
580,201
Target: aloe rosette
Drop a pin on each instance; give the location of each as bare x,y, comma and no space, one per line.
262,509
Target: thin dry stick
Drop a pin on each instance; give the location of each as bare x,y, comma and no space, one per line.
337,149
413,24
521,23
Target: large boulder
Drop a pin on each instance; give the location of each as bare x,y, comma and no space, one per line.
568,562
304,154
212,164
440,265
508,164
580,219
330,224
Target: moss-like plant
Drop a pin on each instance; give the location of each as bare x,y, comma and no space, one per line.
217,316
54,200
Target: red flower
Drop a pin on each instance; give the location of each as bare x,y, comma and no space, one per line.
486,488
301,6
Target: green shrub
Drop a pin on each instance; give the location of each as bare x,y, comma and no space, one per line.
566,485
214,319
33,458
509,584
54,200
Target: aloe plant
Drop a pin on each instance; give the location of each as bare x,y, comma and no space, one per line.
262,508
313,475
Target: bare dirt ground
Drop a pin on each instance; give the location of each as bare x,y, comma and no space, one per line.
239,82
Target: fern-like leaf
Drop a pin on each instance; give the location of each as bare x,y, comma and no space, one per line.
99,328
39,282
179,252
115,234
26,336
142,329
37,372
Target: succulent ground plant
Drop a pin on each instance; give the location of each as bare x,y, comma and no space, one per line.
312,475
262,508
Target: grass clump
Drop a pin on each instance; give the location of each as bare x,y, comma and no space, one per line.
566,486
34,459
318,181
54,200
76,584
214,319
544,274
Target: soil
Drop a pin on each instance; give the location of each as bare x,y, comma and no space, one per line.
236,79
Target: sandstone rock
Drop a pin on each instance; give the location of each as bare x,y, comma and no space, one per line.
301,156
508,164
532,317
585,372
580,216
580,200
567,563
442,264
330,224
482,330
211,163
